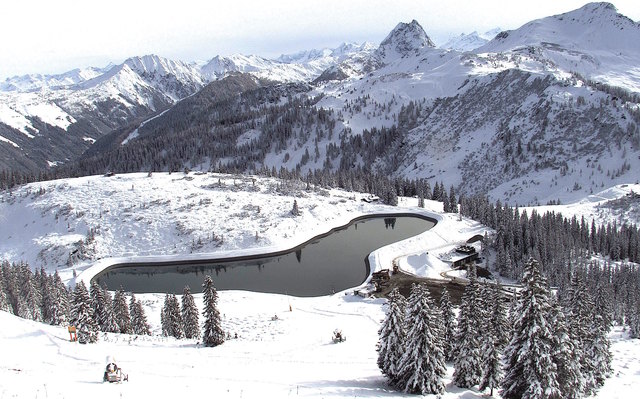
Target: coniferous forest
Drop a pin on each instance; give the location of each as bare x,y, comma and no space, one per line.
45,298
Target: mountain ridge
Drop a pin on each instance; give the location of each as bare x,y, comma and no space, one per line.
530,113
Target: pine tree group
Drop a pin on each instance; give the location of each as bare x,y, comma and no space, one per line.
410,350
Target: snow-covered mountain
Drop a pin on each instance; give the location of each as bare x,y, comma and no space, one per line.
49,120
471,41
46,120
594,40
509,119
545,112
403,41
303,66
37,82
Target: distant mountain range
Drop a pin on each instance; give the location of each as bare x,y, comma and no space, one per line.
471,41
547,111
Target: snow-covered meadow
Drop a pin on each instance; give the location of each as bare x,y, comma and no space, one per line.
137,216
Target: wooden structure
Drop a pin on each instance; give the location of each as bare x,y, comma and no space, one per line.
469,255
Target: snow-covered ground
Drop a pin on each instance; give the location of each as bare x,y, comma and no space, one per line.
291,355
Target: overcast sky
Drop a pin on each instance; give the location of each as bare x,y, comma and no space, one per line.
53,36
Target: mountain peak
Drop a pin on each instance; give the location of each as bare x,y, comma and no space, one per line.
471,41
594,26
403,40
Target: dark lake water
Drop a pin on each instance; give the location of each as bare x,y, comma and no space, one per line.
325,265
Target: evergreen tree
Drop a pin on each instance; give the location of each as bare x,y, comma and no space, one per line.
172,325
139,323
453,202
580,308
46,293
121,312
422,365
565,357
446,206
295,211
12,290
468,359
448,325
492,370
190,315
212,334
633,320
391,341
530,371
164,319
99,305
599,351
109,323
30,293
4,301
60,309
82,315
495,338
498,325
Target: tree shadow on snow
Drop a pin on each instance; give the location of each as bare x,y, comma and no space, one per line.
468,393
365,387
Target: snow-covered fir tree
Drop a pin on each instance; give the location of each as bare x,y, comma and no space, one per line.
453,202
633,319
30,293
11,287
495,335
190,316
99,305
171,317
530,371
121,312
448,325
422,365
139,323
295,211
565,356
82,315
498,323
4,301
45,284
60,311
468,359
391,337
583,332
492,364
164,320
599,350
109,323
212,333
